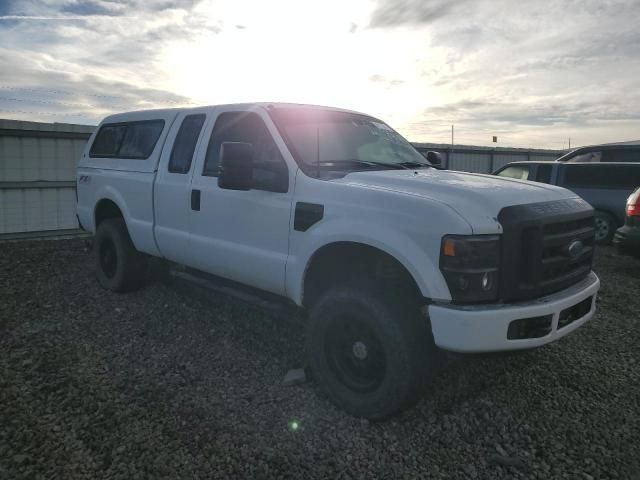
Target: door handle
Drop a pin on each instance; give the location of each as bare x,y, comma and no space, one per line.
195,200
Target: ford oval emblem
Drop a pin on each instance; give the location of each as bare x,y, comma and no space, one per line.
575,248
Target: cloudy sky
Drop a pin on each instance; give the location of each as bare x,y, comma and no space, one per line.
532,73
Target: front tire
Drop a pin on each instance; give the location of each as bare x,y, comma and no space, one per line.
370,353
119,266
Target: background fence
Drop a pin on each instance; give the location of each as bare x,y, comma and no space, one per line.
38,162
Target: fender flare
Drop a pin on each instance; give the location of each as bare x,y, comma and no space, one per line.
111,194
411,256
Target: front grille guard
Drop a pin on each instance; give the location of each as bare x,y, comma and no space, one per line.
535,258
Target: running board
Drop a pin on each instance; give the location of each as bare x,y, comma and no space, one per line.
271,303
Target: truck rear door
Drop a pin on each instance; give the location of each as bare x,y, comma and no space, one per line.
173,186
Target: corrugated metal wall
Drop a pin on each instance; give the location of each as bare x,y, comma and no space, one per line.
468,158
38,162
37,175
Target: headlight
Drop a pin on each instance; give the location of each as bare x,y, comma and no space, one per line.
470,266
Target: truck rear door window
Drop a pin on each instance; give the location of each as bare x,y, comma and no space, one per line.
130,140
185,143
602,176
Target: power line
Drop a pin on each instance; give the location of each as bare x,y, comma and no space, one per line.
70,104
42,90
53,114
67,92
55,102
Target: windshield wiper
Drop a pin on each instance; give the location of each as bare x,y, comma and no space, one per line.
369,163
414,164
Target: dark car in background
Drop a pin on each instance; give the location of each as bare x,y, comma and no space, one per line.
627,238
623,152
605,185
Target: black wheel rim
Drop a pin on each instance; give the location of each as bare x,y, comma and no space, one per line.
355,354
602,229
108,258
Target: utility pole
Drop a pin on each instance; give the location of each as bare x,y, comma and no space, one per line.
569,143
452,135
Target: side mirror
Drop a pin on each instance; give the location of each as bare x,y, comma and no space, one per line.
437,160
236,166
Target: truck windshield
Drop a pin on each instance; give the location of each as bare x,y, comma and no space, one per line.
324,141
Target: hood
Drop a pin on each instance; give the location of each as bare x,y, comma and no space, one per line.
476,197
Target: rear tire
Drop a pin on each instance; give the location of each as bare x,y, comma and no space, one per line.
371,353
605,227
119,266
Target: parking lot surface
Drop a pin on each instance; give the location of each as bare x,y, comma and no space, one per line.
170,382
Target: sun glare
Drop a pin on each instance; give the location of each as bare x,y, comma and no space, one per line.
319,58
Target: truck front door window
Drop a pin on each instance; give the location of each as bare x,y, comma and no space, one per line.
270,170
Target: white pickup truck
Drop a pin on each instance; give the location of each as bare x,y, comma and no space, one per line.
335,212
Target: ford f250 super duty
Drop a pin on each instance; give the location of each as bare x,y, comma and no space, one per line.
335,212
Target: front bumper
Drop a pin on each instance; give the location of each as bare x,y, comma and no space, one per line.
483,328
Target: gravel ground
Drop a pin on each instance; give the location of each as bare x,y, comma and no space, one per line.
171,383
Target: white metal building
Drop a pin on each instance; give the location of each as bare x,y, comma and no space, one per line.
37,176
471,158
38,162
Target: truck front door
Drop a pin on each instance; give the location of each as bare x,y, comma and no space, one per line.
236,234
